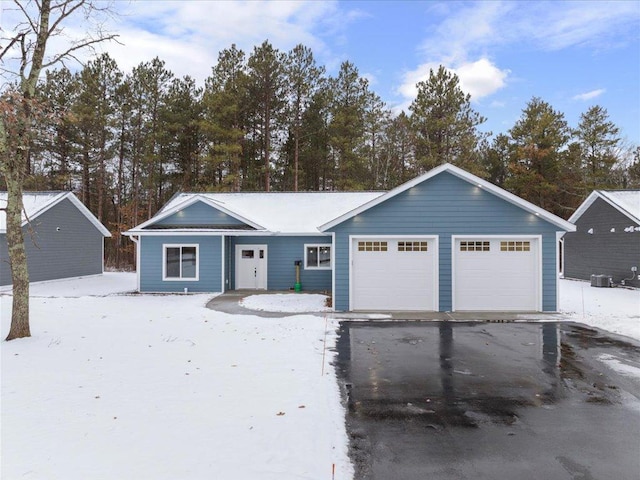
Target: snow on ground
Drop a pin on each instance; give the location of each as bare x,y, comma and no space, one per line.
286,302
108,283
616,310
159,387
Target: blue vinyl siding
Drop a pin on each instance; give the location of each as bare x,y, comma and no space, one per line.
60,243
209,257
445,205
198,214
282,252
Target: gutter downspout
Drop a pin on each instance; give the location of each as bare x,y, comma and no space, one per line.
137,242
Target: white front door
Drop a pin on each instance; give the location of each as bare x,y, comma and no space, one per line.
251,267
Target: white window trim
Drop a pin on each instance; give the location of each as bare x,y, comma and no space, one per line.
164,262
318,245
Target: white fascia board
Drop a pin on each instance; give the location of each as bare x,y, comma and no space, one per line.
464,175
603,194
87,213
190,201
180,232
228,233
584,206
77,203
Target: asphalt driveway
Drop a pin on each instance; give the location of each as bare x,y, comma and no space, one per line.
450,400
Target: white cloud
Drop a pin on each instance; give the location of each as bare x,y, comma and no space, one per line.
465,35
589,95
477,26
188,35
479,79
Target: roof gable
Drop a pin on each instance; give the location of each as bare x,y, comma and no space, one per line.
626,202
466,176
182,202
37,203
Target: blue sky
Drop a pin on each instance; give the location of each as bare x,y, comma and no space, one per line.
571,54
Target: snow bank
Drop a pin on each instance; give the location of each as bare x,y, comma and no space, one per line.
287,302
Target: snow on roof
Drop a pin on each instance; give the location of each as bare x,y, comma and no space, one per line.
34,203
626,201
281,212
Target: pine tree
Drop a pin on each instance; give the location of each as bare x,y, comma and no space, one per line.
94,113
444,123
303,79
348,95
180,140
539,138
267,90
598,139
223,120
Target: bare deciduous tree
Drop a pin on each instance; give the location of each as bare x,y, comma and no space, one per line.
23,57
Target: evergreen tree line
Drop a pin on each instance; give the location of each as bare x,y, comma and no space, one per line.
275,121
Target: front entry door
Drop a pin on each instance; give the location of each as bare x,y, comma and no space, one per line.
251,267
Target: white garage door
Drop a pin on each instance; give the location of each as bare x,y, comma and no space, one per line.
499,274
394,273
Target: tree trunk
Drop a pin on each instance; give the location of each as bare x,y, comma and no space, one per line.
295,160
18,258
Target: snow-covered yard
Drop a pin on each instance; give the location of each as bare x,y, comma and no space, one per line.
616,310
157,387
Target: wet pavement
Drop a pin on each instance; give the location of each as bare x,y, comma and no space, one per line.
455,400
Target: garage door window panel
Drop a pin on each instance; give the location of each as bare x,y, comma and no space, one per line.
475,246
515,246
413,246
372,246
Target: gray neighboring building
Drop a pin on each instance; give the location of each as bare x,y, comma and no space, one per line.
62,237
607,239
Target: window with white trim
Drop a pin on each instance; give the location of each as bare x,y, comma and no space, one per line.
180,262
317,256
474,246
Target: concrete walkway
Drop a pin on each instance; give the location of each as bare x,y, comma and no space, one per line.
229,302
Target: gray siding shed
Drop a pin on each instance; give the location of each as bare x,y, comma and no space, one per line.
606,242
61,242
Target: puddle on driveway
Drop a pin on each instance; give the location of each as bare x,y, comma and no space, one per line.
486,400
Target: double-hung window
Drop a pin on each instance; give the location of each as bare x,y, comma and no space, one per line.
180,262
317,256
